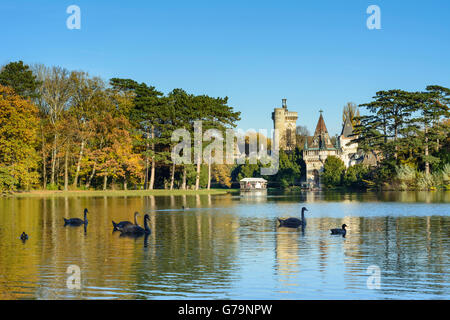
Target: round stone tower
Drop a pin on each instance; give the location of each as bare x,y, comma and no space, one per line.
286,123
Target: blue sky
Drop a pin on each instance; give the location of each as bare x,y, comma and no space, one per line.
317,54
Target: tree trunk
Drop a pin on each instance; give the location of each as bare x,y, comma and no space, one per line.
427,164
197,178
146,165
396,145
152,172
52,179
44,167
80,156
44,172
172,176
57,170
66,171
183,184
105,182
146,173
88,183
209,173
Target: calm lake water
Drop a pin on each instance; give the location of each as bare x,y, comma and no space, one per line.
228,247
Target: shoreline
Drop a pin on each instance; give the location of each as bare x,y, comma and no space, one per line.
111,193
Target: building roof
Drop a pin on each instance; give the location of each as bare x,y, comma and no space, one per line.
321,139
253,180
347,128
321,127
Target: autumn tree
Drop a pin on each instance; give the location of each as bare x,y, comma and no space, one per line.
55,94
18,129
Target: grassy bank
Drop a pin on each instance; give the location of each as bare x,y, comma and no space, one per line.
116,193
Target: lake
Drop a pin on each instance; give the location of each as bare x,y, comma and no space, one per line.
227,247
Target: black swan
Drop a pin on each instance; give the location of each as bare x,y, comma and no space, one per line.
77,221
23,236
122,224
135,229
294,222
339,231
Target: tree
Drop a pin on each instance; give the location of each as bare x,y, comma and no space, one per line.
355,175
214,114
246,170
146,114
302,134
289,170
86,94
21,78
221,173
333,170
433,107
55,94
351,111
381,130
18,129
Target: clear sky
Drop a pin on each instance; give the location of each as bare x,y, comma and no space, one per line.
317,54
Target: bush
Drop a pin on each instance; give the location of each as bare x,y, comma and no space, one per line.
52,186
7,181
333,171
406,177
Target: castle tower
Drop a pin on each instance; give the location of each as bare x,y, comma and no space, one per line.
286,123
321,138
321,148
347,144
316,154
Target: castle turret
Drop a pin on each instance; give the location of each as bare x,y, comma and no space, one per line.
286,123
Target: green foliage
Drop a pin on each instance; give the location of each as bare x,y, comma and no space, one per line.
52,186
19,77
333,172
408,178
289,170
7,181
355,176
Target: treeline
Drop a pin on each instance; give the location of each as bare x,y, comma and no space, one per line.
291,170
408,133
62,129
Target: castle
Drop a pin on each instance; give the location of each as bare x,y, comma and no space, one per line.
320,146
285,121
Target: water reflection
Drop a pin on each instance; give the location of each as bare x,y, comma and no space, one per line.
228,247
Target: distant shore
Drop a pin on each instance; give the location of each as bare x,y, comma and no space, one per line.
111,193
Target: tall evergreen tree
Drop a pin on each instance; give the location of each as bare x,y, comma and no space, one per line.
20,77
